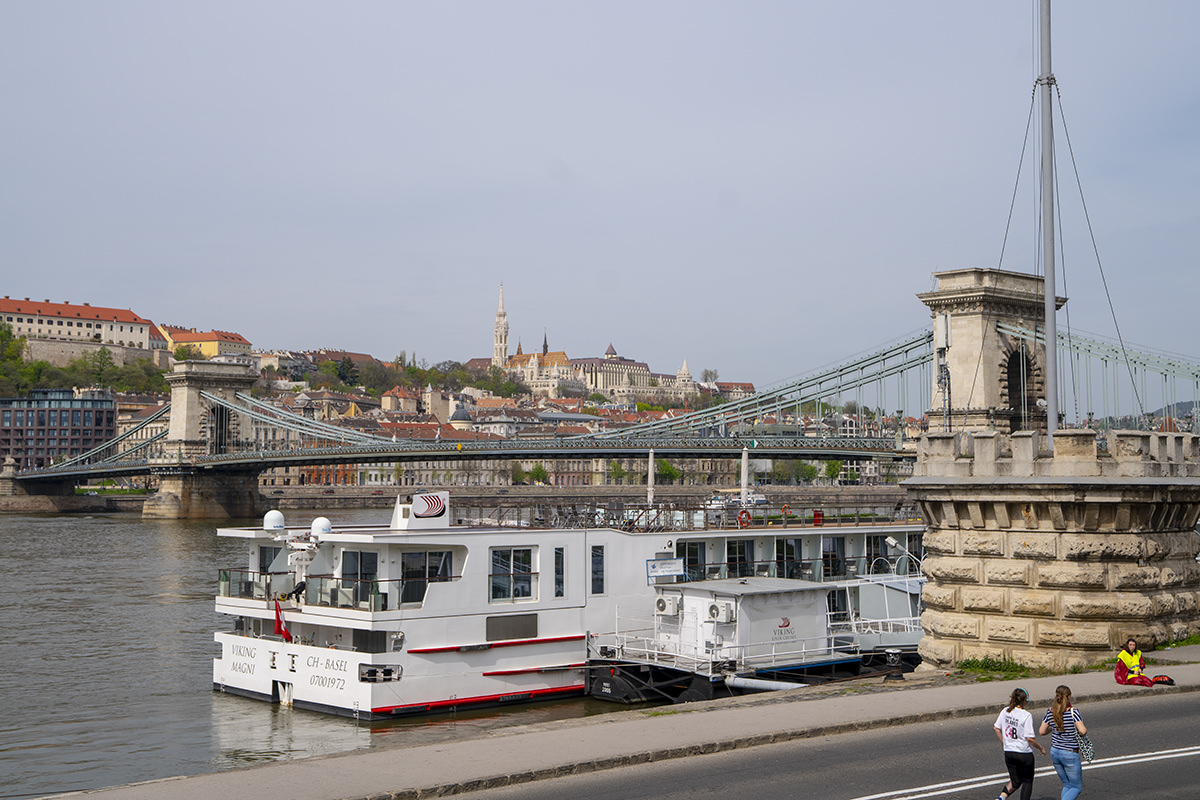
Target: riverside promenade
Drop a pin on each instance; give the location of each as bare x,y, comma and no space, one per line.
547,750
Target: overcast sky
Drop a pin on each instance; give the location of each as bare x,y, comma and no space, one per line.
760,188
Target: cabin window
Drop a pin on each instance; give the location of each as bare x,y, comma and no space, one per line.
877,555
359,571
739,558
371,641
789,561
597,569
833,557
266,555
560,572
692,554
418,569
512,573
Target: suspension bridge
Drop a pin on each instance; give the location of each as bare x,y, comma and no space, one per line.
208,445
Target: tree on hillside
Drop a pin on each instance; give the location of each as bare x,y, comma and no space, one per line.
100,364
187,352
347,373
709,376
376,377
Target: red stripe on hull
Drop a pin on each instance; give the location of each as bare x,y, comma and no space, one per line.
532,694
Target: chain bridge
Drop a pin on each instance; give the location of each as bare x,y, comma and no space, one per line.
207,446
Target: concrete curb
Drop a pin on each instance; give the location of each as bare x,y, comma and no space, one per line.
707,748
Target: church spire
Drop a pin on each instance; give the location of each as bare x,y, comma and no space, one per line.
500,335
545,343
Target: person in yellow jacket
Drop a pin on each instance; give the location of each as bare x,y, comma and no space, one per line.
1131,666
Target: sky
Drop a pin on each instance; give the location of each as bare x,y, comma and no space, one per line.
759,188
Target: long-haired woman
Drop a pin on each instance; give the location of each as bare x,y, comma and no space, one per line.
1064,724
1014,729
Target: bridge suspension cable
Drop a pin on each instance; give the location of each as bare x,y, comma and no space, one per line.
915,352
111,451
1116,358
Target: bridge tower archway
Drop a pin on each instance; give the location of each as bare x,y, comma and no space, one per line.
992,380
200,427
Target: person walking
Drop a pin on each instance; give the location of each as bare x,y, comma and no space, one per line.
1014,729
1064,724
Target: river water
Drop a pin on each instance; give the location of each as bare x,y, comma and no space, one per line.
107,652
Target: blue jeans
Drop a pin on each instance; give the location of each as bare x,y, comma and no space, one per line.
1070,771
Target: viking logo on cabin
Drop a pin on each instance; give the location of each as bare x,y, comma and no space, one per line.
784,622
435,506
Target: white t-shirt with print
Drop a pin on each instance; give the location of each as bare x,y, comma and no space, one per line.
1014,727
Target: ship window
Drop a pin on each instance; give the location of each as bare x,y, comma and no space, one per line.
512,573
876,556
692,554
359,570
418,569
560,569
370,641
833,556
267,554
739,557
597,569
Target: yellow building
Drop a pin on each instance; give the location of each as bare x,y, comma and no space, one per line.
210,344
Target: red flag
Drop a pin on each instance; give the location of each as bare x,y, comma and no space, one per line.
280,626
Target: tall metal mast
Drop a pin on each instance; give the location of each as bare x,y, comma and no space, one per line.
1046,84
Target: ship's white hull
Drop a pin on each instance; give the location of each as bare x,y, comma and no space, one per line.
380,685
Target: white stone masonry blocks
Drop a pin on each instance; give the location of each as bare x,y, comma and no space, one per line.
982,543
941,542
953,569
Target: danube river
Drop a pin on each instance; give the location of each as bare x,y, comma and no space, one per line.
107,662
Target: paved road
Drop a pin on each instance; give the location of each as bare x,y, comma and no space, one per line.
1149,747
822,727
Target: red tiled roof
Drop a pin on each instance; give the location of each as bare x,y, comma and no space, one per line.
209,336
70,311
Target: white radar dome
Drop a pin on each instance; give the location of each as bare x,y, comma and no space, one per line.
321,525
273,521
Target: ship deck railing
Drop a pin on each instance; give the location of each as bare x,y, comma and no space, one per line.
711,659
818,570
857,626
326,591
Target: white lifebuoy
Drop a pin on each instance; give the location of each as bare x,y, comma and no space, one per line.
744,518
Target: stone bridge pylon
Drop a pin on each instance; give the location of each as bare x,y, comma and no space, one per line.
188,490
1050,556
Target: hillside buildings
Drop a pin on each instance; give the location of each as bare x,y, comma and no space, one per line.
554,374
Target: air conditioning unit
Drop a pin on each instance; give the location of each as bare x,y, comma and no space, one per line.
720,612
666,605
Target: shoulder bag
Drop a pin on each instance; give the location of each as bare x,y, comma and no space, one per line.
1086,751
